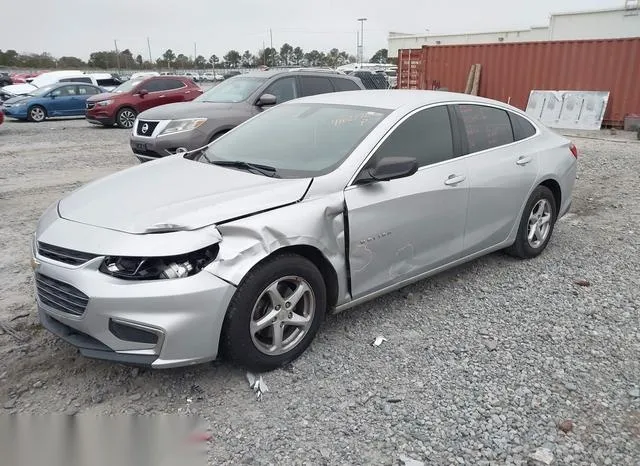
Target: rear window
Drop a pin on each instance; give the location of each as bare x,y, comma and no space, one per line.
345,85
314,85
76,80
110,82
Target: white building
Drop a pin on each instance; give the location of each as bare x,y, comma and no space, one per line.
579,25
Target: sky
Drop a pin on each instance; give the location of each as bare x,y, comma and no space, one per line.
78,27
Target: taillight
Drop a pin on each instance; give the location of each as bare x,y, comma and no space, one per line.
574,150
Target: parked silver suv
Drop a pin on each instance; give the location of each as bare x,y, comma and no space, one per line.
164,130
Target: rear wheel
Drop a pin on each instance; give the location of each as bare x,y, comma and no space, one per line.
275,313
37,114
536,224
125,117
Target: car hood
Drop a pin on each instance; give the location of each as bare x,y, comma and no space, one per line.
103,96
19,89
15,100
176,194
193,109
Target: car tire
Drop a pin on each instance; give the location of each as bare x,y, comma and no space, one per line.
37,114
263,328
536,225
126,117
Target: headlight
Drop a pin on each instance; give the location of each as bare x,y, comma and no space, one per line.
188,124
159,268
104,103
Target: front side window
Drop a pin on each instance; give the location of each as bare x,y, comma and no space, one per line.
314,85
297,140
232,90
284,89
127,86
425,136
485,127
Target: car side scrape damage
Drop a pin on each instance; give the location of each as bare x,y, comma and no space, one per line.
318,223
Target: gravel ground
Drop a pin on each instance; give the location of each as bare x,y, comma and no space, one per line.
484,364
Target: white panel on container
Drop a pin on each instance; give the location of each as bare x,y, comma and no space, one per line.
568,109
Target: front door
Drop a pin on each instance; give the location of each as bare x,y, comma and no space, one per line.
402,228
62,101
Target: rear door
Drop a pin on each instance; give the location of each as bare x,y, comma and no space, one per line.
176,90
501,173
402,228
83,93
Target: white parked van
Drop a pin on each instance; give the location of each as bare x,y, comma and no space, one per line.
104,80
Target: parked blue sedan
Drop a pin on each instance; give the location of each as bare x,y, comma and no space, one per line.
55,100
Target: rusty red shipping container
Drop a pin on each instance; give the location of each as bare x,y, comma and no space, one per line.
510,71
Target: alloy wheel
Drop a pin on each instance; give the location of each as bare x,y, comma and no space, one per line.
539,224
282,315
127,117
37,114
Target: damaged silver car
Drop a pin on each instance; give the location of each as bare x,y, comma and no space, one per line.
313,206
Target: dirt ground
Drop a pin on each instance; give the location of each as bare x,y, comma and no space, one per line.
329,406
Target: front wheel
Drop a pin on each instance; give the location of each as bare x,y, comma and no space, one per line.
536,224
125,117
275,313
37,114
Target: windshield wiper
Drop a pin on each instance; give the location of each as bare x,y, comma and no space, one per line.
265,170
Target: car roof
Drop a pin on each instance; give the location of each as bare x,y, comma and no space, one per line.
272,73
392,99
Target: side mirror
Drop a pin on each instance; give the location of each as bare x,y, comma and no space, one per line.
266,100
143,92
389,168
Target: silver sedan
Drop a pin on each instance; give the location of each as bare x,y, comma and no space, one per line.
314,206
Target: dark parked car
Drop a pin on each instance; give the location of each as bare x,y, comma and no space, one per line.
55,100
121,106
5,79
163,131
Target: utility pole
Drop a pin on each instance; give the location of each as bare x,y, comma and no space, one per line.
149,47
264,55
115,42
271,36
362,20
195,54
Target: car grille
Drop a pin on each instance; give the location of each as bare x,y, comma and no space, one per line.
145,128
68,256
60,296
90,105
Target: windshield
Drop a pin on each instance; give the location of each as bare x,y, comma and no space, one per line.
232,90
127,85
297,140
42,90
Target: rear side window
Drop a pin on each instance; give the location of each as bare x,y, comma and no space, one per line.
171,84
522,129
313,85
426,136
154,85
76,80
485,127
110,82
344,85
88,90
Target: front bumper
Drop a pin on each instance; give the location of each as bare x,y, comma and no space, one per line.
186,315
151,148
19,113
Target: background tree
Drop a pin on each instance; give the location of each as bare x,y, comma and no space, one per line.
9,58
200,62
298,55
71,62
139,61
248,59
103,59
232,58
268,57
286,53
182,61
169,57
381,56
312,58
214,60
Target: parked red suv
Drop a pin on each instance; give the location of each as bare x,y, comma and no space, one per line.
121,106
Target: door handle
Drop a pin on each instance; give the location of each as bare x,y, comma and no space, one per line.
454,180
162,96
523,160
